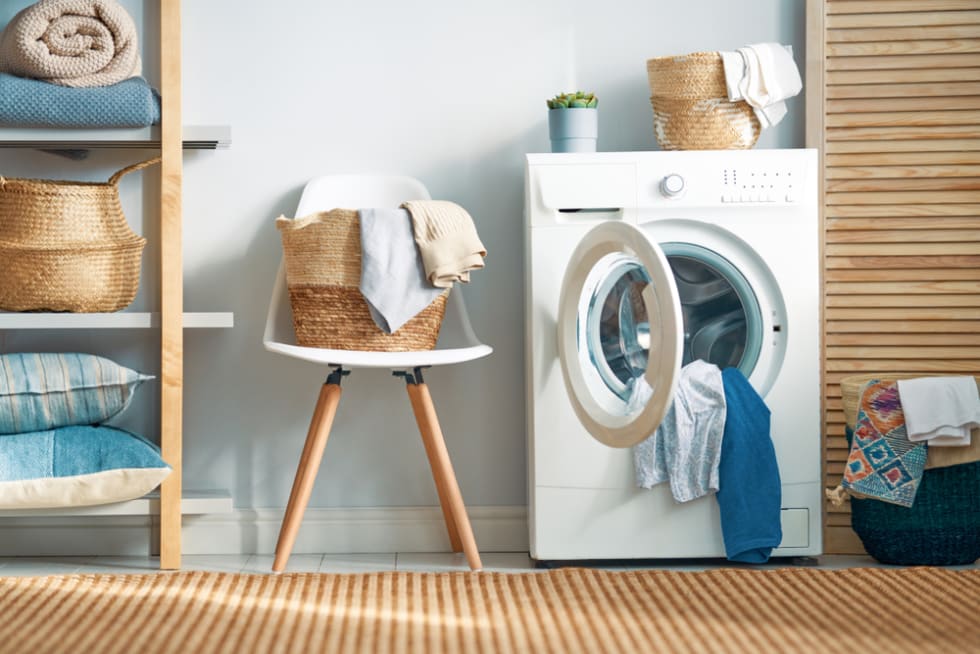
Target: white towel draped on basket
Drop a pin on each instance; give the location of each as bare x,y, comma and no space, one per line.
940,410
764,75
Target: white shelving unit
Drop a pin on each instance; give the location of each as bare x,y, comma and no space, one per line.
191,503
196,137
171,137
120,320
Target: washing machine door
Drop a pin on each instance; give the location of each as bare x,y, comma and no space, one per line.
620,334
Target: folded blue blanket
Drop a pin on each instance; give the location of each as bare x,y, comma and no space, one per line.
32,103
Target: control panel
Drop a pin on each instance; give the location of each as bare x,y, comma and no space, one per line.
749,184
576,186
706,179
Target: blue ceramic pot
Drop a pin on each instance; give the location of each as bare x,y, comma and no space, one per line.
573,130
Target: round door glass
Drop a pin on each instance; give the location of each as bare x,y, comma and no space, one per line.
614,333
722,319
619,334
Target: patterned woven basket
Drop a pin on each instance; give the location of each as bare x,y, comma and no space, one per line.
941,528
691,110
66,246
323,273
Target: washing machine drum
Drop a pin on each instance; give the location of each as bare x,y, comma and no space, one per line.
720,311
632,312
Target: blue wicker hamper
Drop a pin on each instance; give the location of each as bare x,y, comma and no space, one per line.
941,528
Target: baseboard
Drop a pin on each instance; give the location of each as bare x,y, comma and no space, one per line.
255,531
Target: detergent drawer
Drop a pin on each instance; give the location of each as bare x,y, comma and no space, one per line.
572,193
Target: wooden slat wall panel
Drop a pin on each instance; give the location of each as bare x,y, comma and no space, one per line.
890,34
897,145
886,48
895,6
876,19
921,89
959,60
865,211
894,107
858,105
878,171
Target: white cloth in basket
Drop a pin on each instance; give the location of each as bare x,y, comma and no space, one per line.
940,410
392,277
764,75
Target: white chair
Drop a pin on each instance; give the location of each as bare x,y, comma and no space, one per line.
457,343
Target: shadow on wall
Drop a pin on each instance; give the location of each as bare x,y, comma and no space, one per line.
626,117
246,281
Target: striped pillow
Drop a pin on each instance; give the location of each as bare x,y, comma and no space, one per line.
77,466
46,391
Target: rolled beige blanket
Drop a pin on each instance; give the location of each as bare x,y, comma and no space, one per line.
71,43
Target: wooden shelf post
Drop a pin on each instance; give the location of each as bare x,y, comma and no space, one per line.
171,282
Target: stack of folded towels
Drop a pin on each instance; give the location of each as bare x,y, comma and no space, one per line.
55,450
75,64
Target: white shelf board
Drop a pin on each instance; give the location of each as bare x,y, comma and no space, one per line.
118,320
192,503
196,137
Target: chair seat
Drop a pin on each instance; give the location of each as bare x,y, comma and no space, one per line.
393,360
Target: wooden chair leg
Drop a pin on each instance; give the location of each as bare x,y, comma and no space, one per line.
442,473
418,408
309,464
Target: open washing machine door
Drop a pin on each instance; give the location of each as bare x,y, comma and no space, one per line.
620,334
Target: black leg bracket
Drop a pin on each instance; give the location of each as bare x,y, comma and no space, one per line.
411,378
337,374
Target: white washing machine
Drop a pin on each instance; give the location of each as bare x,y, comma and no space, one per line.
637,263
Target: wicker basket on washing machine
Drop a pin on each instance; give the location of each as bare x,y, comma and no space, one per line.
323,272
691,109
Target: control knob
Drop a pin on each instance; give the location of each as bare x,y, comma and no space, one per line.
672,186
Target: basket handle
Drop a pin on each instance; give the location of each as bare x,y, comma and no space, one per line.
114,180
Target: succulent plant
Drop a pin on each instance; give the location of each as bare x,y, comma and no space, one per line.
577,100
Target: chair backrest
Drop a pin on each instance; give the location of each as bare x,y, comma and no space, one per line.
353,192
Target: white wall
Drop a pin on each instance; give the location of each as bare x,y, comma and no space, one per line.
449,92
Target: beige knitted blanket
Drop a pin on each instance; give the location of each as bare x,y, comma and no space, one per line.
71,43
447,240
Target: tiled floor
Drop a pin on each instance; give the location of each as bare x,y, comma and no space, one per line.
345,563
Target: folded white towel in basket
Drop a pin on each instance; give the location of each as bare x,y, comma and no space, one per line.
764,75
392,277
940,410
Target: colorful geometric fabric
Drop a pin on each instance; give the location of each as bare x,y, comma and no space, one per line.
883,463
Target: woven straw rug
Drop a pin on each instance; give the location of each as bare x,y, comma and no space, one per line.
572,610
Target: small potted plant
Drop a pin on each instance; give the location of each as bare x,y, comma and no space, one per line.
573,122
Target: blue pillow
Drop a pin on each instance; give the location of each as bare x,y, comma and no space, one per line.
77,466
46,391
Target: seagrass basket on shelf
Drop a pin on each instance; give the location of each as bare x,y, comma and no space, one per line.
691,109
942,527
322,253
66,246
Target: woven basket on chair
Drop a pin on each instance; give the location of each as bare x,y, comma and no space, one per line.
66,246
691,110
942,527
323,272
